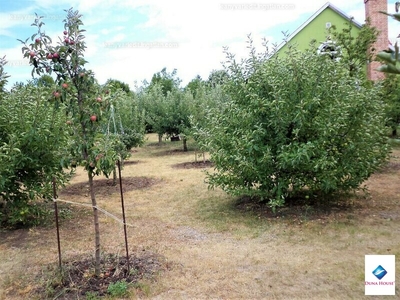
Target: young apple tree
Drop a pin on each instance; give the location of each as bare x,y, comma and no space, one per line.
79,93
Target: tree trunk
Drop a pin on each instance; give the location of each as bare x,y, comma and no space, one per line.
184,140
96,225
114,177
394,131
160,139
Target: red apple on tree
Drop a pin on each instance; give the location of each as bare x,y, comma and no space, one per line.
49,56
65,32
65,85
93,118
56,94
32,54
98,99
56,55
37,41
69,122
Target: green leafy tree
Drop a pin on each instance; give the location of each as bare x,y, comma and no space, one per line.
85,102
3,74
127,117
390,57
391,86
153,101
355,49
157,100
33,140
391,95
194,85
168,81
294,125
45,80
208,101
115,84
180,107
217,77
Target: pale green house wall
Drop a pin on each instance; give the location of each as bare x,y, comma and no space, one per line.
317,30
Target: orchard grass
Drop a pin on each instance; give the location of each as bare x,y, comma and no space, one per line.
213,245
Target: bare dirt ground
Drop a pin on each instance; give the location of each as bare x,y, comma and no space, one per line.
190,242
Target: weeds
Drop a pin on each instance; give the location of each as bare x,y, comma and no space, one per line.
118,289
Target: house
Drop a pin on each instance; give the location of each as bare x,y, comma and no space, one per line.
317,28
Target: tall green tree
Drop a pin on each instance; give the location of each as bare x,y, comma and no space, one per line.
194,85
45,80
3,74
391,95
208,101
115,84
180,107
355,49
390,57
153,101
217,77
391,85
167,81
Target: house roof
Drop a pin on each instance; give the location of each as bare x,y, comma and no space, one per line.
319,11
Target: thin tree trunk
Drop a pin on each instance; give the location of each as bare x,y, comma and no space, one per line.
114,176
160,139
184,140
96,225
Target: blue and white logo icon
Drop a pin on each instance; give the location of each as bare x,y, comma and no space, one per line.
379,272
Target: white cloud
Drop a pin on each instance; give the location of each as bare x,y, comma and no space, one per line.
197,30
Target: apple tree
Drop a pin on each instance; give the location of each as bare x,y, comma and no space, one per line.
3,74
295,126
33,140
168,81
154,103
126,117
85,102
207,101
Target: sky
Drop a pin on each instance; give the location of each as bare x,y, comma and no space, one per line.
130,40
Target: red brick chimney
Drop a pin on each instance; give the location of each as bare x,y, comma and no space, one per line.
380,22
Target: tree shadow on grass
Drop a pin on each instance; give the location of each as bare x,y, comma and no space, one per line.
106,187
299,207
130,162
169,152
194,165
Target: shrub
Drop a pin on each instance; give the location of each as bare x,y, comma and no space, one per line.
295,124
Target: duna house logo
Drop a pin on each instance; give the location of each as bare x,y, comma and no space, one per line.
379,272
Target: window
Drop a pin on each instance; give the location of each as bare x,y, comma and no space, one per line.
330,48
